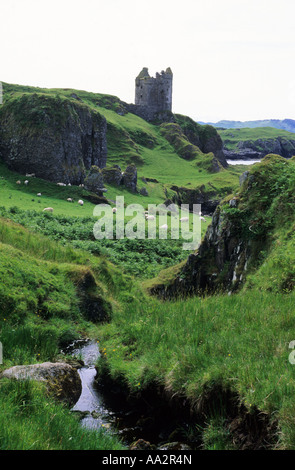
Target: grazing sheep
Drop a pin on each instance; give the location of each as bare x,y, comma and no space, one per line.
165,226
80,202
149,217
81,185
26,182
30,174
69,184
203,219
184,219
70,199
18,182
39,194
61,184
48,209
114,210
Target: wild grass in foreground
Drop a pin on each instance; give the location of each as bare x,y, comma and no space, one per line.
29,420
237,342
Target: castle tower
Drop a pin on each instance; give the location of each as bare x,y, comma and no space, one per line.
154,94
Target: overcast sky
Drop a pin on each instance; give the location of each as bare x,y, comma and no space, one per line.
231,59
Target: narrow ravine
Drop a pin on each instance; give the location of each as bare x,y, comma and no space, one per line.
150,418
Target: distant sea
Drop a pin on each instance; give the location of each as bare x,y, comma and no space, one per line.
242,162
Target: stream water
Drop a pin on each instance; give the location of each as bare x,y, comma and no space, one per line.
91,403
148,419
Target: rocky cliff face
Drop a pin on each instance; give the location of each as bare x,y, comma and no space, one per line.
260,148
220,262
241,228
208,199
57,139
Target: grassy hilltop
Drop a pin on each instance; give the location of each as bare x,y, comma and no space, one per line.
225,355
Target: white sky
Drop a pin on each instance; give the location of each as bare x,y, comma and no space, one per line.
231,59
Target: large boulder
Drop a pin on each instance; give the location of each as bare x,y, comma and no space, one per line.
130,178
61,379
94,181
113,175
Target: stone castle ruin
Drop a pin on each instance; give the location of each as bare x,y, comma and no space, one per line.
153,95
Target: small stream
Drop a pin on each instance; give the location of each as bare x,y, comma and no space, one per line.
91,403
147,421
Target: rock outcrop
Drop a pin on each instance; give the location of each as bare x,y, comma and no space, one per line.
257,149
61,379
130,178
94,181
241,228
220,262
56,138
209,200
114,175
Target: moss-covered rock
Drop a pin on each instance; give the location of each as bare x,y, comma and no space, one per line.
61,379
94,180
113,175
130,178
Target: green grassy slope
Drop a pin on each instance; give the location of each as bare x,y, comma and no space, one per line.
72,224
41,311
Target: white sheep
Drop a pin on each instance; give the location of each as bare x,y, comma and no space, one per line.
165,226
69,184
39,194
203,219
70,199
61,184
80,202
114,210
184,219
149,217
48,209
18,182
26,182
